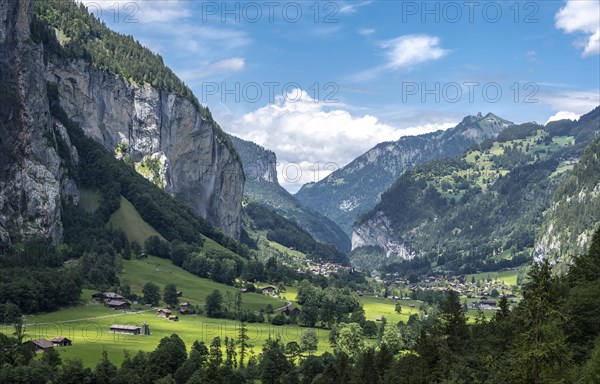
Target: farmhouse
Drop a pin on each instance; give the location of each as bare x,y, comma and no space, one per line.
106,296
268,290
163,312
184,309
126,329
118,304
60,341
289,310
41,345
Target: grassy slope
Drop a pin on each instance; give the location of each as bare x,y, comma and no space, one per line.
129,220
509,277
195,289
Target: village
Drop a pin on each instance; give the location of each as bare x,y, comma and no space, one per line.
479,293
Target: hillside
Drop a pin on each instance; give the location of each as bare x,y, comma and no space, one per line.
286,232
262,186
356,188
574,213
479,211
124,97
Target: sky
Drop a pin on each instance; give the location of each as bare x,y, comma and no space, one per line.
321,82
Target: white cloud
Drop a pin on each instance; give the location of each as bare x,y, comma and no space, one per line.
406,51
562,115
582,16
351,6
234,64
304,132
403,53
579,102
365,31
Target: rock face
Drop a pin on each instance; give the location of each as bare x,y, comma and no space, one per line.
357,187
31,178
194,163
378,232
152,123
574,214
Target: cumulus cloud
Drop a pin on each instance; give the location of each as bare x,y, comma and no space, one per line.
406,51
312,139
582,16
562,115
403,53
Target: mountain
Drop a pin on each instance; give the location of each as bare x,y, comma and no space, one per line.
60,186
479,211
262,186
574,213
356,188
288,233
125,98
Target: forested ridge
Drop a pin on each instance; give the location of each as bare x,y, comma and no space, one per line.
481,211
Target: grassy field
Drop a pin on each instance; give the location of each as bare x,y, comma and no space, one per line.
509,277
129,220
195,289
88,327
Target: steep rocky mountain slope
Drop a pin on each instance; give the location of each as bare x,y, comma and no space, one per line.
479,211
262,186
158,127
155,122
356,188
31,176
574,213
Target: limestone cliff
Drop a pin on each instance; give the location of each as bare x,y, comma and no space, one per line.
32,180
170,138
379,233
195,165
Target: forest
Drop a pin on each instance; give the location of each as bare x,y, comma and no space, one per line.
551,336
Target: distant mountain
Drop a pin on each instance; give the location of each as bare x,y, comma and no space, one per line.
289,234
357,187
574,213
480,211
262,186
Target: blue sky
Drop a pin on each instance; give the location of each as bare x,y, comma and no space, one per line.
322,82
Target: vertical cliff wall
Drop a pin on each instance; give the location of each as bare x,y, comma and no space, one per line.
31,177
150,123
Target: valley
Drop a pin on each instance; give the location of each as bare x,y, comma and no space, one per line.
148,237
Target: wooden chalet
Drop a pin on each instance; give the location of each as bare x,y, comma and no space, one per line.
40,345
268,290
106,296
118,304
289,310
125,329
60,341
163,312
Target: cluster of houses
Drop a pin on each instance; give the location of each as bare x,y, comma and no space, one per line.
326,269
40,345
112,300
460,284
166,313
